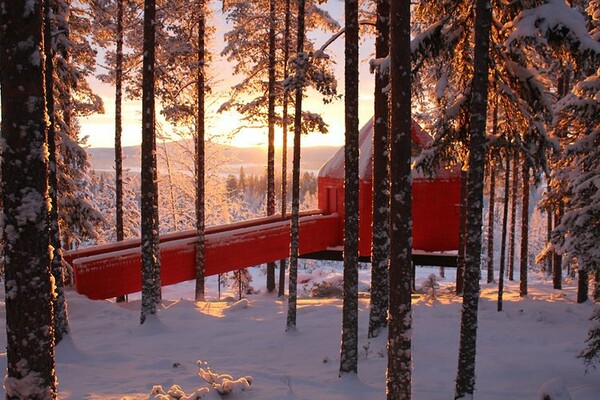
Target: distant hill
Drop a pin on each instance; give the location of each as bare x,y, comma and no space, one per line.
253,159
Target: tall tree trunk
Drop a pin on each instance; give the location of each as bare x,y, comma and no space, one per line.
150,255
119,131
504,232
200,169
513,218
556,257
490,246
284,145
462,234
597,285
399,368
549,240
61,320
381,181
271,134
524,230
492,167
465,379
28,287
582,285
294,242
349,345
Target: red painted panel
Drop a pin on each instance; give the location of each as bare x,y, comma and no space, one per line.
434,206
113,274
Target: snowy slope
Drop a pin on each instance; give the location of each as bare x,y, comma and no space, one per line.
110,356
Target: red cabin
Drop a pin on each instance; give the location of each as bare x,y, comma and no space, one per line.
435,202
115,269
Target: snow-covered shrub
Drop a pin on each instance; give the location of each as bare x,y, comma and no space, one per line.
176,393
240,281
224,384
327,289
430,285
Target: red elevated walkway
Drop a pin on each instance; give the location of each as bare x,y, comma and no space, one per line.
114,269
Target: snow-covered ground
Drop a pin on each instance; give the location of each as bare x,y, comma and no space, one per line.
533,343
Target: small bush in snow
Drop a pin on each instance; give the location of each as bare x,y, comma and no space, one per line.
430,285
327,289
175,393
224,384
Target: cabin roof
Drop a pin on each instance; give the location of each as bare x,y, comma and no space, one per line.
334,168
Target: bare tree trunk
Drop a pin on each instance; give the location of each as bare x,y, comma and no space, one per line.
462,232
28,288
582,285
597,285
490,246
399,368
284,145
200,158
119,131
349,346
548,240
381,182
294,244
557,258
513,218
524,230
465,379
504,231
150,255
61,320
271,134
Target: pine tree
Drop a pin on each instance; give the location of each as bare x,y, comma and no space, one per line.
465,379
349,345
200,156
513,218
61,321
271,131
284,134
29,292
399,369
295,227
381,181
491,209
151,285
524,230
504,232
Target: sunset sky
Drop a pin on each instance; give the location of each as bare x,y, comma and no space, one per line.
100,128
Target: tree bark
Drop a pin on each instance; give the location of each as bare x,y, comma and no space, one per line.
462,234
524,231
200,158
504,232
271,135
381,181
119,131
490,246
513,218
399,368
582,285
557,258
284,141
150,254
61,320
294,242
465,379
349,345
28,288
